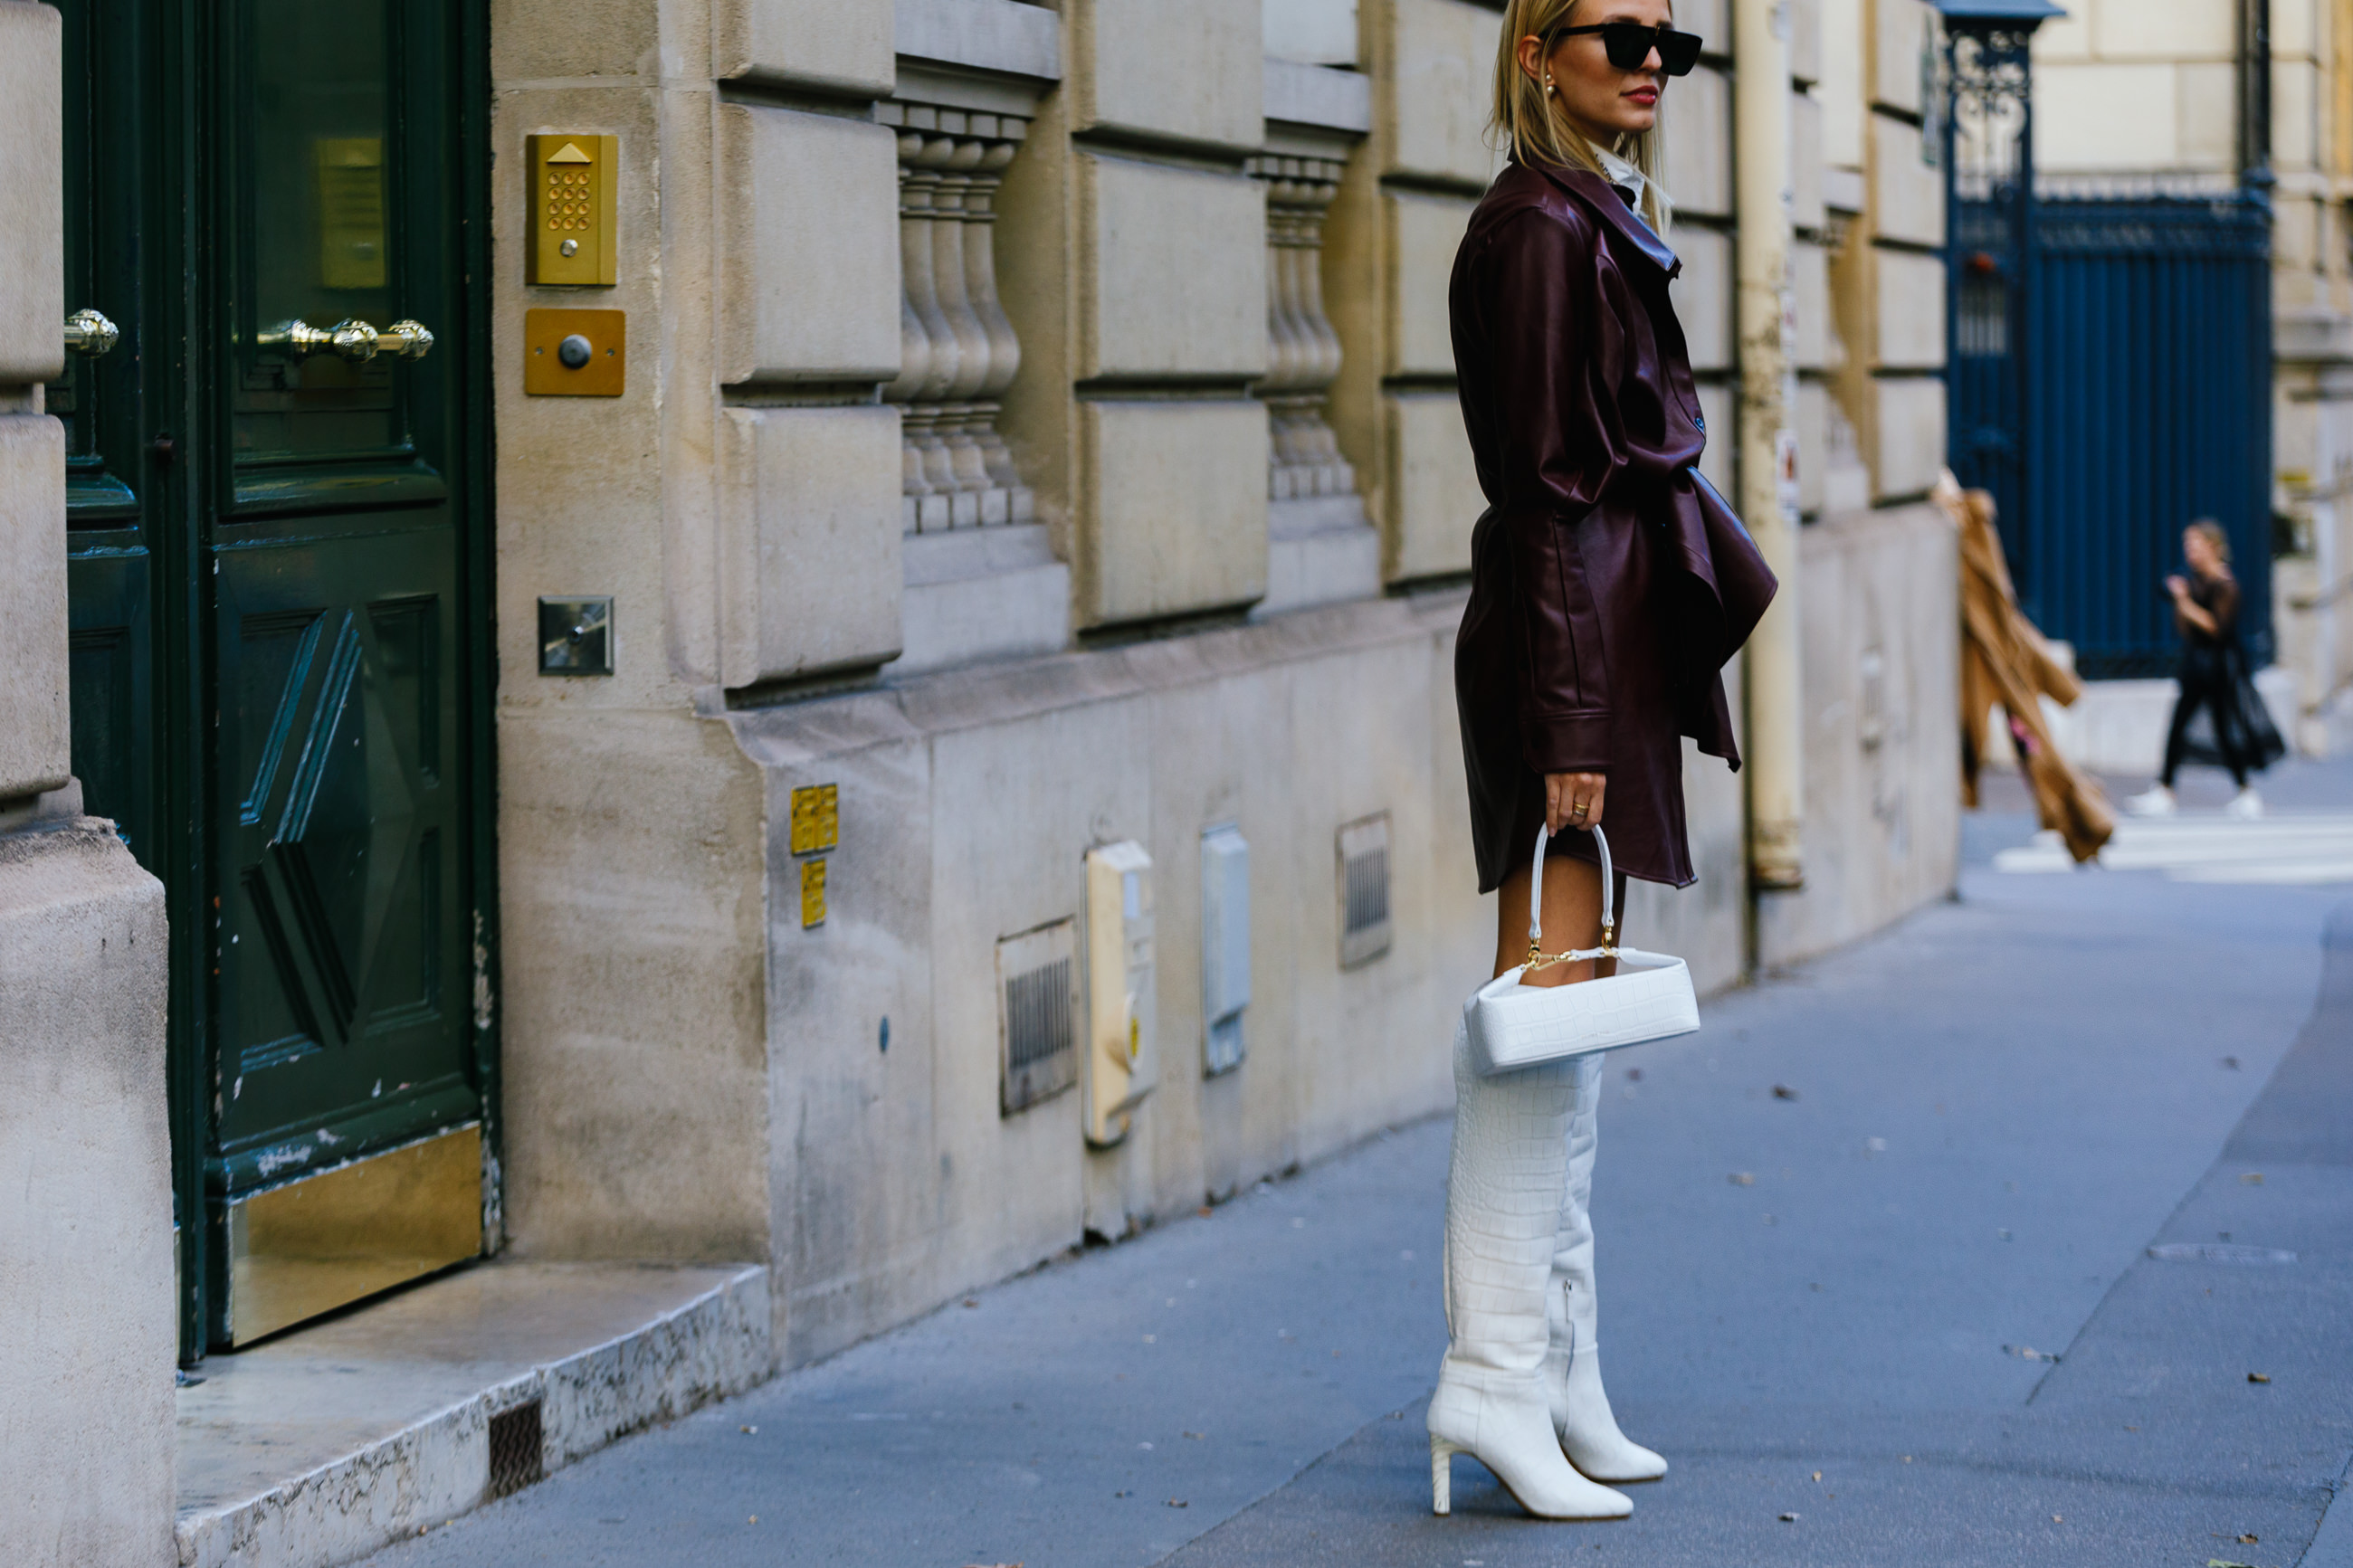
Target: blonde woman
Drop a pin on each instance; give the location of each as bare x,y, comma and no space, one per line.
2215,680
1609,584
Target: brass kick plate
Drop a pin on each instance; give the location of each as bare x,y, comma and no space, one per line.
572,190
324,1241
575,354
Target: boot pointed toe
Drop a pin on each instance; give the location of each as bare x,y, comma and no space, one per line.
1629,1462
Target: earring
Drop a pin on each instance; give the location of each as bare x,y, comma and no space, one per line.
1547,84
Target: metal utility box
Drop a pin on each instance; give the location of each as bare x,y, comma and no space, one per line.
1225,946
1120,1063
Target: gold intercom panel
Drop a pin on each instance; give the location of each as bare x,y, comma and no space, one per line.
572,181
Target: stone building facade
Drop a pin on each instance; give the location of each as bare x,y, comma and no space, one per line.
1039,444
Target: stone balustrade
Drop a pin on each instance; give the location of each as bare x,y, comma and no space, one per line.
959,350
1302,348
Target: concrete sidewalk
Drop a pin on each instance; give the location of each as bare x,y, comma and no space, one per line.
1994,1112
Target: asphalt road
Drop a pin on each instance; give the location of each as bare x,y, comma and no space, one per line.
1927,1330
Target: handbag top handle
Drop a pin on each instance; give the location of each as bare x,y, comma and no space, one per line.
1536,897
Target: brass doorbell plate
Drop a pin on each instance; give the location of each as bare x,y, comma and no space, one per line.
575,354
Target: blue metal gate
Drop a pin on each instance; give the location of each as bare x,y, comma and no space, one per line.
2148,386
2109,373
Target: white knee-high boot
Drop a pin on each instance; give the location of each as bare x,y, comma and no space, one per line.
1503,1203
1580,1408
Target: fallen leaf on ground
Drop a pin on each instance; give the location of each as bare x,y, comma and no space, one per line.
1789,1518
2252,1179
1817,1474
971,1301
753,1430
1179,1502
2259,1377
1783,1092
1743,1179
2249,1541
2056,1518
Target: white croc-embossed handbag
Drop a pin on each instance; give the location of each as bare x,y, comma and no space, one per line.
1515,1026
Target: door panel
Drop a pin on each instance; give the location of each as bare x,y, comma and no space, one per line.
112,652
276,612
335,549
343,963
109,541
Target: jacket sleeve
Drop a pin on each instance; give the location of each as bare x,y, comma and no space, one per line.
1559,352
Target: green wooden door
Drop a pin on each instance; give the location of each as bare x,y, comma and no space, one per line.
279,618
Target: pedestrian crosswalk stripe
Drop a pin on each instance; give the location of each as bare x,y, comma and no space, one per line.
2281,851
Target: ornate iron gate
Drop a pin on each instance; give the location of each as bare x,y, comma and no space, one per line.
2109,373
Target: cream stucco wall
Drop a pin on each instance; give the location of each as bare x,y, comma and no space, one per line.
86,1392
690,1073
85,1152
635,1051
967,801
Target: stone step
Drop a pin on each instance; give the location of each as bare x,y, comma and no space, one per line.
329,1443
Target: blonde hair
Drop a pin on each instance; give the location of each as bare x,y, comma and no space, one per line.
2206,528
1524,121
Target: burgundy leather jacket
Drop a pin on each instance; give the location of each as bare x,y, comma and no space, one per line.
1609,583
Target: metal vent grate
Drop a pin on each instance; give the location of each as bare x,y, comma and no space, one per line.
516,1459
1364,890
1037,975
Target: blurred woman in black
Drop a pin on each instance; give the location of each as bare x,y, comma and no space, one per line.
2219,718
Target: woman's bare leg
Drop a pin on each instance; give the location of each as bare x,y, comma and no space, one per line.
1572,908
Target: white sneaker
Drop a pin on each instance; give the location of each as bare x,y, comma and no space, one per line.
2157,801
2246,806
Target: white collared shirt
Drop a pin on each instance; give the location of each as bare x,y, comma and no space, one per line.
1623,175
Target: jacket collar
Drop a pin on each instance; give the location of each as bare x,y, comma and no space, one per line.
1602,200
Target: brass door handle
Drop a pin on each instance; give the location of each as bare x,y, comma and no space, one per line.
90,334
352,339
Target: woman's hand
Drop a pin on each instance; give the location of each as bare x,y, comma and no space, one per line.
1573,800
2177,587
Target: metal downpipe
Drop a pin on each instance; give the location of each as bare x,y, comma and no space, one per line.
1767,316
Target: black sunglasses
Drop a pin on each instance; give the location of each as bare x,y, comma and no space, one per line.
1630,44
